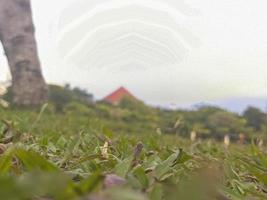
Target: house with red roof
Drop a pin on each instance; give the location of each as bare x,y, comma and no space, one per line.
118,95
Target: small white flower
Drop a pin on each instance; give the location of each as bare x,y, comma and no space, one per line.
193,136
260,143
104,150
227,140
158,131
177,124
3,90
3,103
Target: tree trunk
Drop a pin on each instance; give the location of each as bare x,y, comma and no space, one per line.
17,35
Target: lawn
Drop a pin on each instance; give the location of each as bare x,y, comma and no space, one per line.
70,155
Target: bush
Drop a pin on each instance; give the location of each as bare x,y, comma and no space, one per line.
77,108
59,96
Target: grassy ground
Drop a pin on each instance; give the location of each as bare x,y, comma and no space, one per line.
81,155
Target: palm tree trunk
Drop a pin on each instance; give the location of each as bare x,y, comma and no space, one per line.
17,35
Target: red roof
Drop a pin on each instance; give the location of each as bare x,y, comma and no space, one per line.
116,96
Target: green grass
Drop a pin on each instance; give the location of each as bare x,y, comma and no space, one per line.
77,153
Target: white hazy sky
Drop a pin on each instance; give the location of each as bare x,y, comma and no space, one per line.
141,45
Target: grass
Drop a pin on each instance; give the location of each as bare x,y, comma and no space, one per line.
78,155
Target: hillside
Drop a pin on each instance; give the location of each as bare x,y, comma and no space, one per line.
99,152
133,116
75,148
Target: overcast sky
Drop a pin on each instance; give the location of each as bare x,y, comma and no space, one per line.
163,51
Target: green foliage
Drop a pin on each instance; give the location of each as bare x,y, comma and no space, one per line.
71,149
59,96
207,122
70,155
255,118
222,123
72,167
77,108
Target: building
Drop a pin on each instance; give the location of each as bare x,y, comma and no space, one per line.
116,96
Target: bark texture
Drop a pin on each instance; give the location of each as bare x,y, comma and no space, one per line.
17,35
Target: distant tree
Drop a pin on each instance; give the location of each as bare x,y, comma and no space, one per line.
67,86
83,95
59,96
201,115
224,122
201,130
255,118
134,104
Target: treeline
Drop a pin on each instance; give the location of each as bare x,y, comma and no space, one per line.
132,116
215,122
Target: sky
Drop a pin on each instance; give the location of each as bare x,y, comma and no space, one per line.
164,51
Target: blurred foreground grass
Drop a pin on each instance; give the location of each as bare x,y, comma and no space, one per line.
47,155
